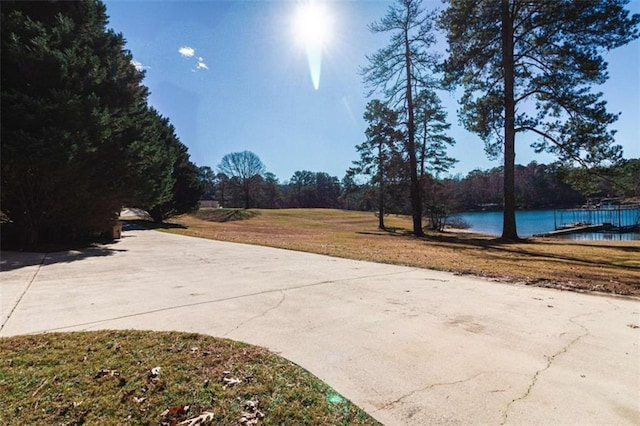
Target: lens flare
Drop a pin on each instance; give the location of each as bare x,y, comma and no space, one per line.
312,30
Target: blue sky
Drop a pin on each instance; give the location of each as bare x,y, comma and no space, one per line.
231,76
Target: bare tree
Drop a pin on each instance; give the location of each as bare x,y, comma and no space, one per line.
246,167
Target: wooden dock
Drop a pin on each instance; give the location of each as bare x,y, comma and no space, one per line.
614,219
571,230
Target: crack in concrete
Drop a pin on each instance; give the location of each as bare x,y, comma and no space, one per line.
550,360
615,306
426,388
224,299
282,298
6,320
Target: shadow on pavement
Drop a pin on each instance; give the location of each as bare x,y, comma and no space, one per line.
12,260
145,225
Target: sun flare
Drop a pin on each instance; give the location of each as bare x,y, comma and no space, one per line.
312,30
312,24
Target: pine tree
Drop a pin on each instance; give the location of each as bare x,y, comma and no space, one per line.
431,133
514,56
383,138
399,71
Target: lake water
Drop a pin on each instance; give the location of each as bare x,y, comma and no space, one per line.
533,222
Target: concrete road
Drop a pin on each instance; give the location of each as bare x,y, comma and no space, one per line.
410,346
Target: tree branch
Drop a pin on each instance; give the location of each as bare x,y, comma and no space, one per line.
554,141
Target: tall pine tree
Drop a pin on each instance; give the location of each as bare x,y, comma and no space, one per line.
400,70
528,66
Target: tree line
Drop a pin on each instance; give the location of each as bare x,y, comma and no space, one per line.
241,181
79,140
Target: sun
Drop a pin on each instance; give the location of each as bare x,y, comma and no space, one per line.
312,24
312,30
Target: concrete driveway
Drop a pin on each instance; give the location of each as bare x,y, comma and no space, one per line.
410,346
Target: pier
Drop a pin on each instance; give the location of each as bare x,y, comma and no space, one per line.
613,218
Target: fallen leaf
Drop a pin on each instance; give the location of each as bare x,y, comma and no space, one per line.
253,415
203,419
172,415
107,372
230,381
154,374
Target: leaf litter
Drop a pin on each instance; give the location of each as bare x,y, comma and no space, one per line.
158,377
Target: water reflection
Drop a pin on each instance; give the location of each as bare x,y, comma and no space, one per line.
603,236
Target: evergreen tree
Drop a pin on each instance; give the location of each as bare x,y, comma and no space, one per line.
186,191
78,138
270,194
431,134
383,138
153,152
514,56
208,178
68,88
399,71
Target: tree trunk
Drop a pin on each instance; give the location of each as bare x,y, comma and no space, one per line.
509,231
423,148
156,215
245,189
415,194
381,186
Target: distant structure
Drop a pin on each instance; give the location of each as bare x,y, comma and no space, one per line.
210,204
208,201
605,215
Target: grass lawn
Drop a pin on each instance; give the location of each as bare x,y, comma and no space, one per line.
149,378
604,266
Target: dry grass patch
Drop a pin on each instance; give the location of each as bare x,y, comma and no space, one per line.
612,267
143,378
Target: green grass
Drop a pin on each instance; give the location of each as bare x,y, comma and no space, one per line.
106,378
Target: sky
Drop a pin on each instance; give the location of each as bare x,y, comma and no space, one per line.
235,75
